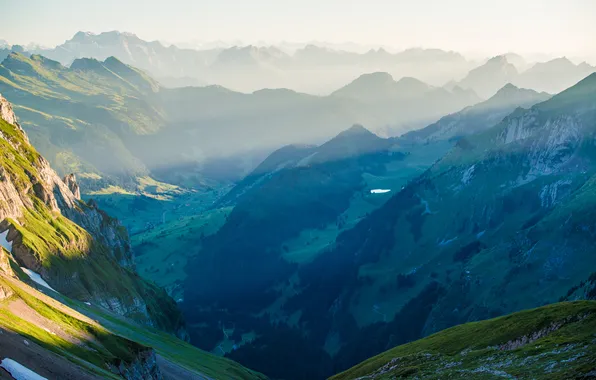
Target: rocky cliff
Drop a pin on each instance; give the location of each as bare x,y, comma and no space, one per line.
75,247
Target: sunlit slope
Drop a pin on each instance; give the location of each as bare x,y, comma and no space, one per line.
90,339
551,342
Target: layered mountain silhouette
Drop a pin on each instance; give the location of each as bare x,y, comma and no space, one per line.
312,68
95,107
478,117
552,76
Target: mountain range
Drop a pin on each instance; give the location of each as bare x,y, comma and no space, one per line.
111,124
552,77
311,69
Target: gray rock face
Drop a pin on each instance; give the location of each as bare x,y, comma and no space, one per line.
143,368
7,114
71,181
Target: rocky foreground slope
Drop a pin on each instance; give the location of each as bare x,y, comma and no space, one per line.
71,303
553,342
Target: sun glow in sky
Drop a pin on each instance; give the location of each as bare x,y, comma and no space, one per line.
557,27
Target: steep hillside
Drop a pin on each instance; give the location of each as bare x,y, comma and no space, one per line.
59,254
479,117
78,117
554,342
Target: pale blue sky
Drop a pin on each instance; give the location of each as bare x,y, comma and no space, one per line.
559,27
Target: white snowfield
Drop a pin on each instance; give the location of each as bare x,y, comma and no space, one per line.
379,191
37,278
5,243
19,371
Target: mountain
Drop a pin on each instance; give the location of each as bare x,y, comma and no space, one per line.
554,76
388,99
71,302
250,55
481,116
526,343
381,87
485,80
78,116
518,61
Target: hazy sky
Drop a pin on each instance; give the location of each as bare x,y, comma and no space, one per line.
559,27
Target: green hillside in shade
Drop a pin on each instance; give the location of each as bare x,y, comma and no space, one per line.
550,342
502,222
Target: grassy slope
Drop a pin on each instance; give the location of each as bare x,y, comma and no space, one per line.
97,348
114,338
476,350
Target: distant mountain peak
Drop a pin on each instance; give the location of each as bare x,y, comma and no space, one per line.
498,60
82,36
356,130
508,88
352,142
410,81
377,76
511,94
86,64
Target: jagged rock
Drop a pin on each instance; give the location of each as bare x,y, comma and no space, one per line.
71,181
143,367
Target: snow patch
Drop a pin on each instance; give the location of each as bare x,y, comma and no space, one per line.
19,371
379,191
5,243
37,278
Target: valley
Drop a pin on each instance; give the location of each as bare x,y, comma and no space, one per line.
298,210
